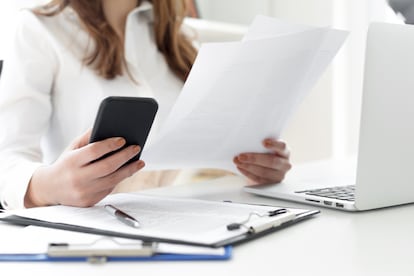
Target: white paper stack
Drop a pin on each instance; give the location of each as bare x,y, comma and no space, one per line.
239,93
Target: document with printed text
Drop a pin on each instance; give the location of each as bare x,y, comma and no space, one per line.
239,93
164,219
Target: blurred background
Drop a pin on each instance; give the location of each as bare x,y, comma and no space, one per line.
326,124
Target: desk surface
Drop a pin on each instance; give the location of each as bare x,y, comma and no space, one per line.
333,243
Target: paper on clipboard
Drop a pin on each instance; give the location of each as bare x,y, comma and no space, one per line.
178,221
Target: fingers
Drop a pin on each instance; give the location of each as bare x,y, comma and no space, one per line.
110,181
260,174
276,146
84,139
85,194
256,179
268,167
105,185
111,163
77,181
81,140
266,160
94,151
86,199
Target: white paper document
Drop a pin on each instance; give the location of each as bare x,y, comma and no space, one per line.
239,93
193,221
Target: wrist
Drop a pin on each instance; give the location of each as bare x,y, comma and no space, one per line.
36,190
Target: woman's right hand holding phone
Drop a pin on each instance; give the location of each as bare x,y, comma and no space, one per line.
75,180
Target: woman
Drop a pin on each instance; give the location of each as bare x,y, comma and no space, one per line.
67,57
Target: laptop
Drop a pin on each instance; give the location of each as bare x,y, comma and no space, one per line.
384,166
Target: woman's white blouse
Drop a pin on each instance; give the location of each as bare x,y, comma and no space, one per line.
48,96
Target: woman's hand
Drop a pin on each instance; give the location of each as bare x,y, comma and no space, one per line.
265,168
77,181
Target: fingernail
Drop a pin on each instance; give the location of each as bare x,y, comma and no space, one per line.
136,148
268,142
119,141
243,157
140,164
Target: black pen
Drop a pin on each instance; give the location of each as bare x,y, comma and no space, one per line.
122,216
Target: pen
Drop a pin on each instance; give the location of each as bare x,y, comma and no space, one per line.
122,216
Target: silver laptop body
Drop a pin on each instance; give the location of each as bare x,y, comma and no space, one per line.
384,172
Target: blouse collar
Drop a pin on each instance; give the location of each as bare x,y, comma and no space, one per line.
145,9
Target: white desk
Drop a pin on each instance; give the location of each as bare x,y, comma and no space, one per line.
333,243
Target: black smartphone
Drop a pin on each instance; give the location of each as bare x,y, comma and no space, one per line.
127,117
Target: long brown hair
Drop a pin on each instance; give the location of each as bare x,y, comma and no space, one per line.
108,56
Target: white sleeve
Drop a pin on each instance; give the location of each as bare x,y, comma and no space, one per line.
25,106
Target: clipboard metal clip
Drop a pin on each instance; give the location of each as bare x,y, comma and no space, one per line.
267,221
99,250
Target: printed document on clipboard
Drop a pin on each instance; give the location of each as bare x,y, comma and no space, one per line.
166,220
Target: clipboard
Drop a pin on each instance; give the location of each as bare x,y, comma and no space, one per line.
44,257
99,249
234,223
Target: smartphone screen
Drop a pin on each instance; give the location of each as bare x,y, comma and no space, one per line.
127,117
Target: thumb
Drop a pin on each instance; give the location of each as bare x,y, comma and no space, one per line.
81,141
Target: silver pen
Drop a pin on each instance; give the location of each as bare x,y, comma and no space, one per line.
122,216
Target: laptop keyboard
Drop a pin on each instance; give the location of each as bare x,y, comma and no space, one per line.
340,192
